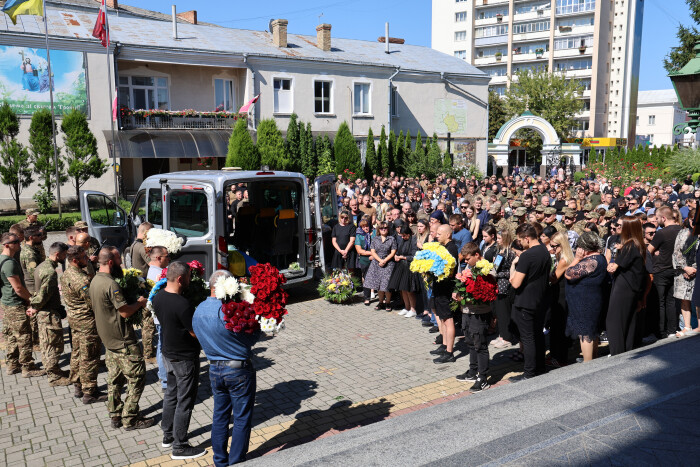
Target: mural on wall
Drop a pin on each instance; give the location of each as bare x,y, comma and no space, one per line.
450,116
24,80
464,152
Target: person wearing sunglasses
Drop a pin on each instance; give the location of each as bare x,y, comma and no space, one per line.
634,207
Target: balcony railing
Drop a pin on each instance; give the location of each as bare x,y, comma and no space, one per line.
177,120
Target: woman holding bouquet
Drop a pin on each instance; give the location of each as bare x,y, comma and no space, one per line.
403,280
504,301
343,239
383,248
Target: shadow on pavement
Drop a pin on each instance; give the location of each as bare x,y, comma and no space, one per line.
283,398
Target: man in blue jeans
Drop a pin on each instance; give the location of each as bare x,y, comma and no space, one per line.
232,377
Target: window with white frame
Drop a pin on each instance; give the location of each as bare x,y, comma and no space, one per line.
576,22
535,26
460,16
144,92
490,31
574,6
531,7
361,99
652,119
322,96
461,54
651,138
576,64
500,90
224,96
493,12
575,42
283,102
461,36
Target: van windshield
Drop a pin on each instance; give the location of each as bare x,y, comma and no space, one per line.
264,221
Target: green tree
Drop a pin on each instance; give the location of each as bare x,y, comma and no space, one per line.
271,146
15,169
241,149
400,152
42,156
497,114
383,153
347,154
687,36
308,167
293,143
416,161
9,122
433,164
392,151
324,154
447,162
81,156
371,159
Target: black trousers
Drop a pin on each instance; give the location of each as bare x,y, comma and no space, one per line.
530,324
366,291
475,328
503,306
621,320
559,343
179,399
668,319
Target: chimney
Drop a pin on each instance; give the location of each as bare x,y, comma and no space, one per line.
188,16
323,37
278,28
111,3
174,22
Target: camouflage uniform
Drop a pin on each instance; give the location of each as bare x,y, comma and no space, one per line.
40,247
122,352
579,226
19,337
557,225
85,354
501,225
47,300
29,259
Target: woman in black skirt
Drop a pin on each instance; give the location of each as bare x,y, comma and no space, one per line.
402,279
343,239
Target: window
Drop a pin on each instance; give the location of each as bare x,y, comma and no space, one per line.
461,16
144,93
637,119
224,96
322,96
461,36
361,98
535,26
500,90
495,71
581,125
586,83
189,213
155,206
490,31
394,101
493,13
651,138
531,47
139,208
461,54
576,64
574,6
104,212
282,95
652,119
531,8
573,42
491,51
576,22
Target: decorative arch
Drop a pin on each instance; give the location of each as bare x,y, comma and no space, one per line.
552,147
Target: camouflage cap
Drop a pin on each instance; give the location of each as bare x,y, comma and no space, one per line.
509,195
32,212
540,208
495,209
521,211
588,207
610,213
568,212
517,204
80,225
550,211
592,215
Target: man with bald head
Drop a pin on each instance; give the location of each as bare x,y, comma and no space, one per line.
442,296
83,240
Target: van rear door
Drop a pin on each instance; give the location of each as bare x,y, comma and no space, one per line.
326,216
106,220
188,211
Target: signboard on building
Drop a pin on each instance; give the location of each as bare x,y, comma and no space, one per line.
599,142
24,80
464,152
450,116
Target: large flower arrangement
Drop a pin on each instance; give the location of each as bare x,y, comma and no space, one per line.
258,306
164,238
195,293
133,286
338,287
434,262
476,286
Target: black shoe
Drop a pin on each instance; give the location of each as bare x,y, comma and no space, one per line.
446,357
438,340
469,377
116,422
93,398
187,452
426,324
78,391
480,384
141,423
603,336
167,442
439,351
523,377
434,329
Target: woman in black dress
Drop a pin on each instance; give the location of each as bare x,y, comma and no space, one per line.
343,239
402,279
629,283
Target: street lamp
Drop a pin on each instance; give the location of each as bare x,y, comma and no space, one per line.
686,82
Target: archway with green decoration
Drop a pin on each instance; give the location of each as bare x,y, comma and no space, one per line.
553,150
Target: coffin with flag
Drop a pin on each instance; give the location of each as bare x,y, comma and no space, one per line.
14,8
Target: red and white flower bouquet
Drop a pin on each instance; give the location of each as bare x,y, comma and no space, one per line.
476,287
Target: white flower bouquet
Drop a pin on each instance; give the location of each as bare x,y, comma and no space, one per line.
164,238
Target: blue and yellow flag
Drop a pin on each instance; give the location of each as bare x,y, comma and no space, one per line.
14,8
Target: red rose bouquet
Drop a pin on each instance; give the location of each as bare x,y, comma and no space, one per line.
476,286
197,291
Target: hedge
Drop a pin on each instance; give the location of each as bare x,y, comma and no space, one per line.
54,224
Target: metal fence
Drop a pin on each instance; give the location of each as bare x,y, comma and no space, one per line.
173,122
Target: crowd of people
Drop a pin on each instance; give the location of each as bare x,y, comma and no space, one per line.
35,299
580,262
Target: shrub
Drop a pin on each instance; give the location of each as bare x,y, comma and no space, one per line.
578,176
695,177
684,162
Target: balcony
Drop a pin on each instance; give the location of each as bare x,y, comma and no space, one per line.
492,40
531,36
176,120
488,3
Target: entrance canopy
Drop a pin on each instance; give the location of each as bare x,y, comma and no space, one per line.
170,143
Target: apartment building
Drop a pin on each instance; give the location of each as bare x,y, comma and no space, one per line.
172,75
658,111
594,41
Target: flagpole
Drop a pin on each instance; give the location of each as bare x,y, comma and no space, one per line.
53,116
111,111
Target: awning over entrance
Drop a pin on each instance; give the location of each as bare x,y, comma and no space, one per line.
170,143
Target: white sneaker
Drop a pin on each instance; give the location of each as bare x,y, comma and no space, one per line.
373,295
402,312
410,314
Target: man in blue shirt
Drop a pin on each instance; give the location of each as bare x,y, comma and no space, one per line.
460,235
232,377
634,207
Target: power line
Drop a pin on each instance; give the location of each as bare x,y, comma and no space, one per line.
287,13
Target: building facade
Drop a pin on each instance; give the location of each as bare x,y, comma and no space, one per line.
170,81
658,112
595,41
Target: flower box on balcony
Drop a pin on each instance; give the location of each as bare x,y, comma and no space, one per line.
564,28
499,55
499,17
582,49
539,52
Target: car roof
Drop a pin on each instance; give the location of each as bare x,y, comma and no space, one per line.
218,176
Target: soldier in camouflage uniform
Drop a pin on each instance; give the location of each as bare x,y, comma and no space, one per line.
82,239
18,350
518,217
82,227
550,218
47,301
122,351
496,218
29,259
85,354
569,221
595,217
32,221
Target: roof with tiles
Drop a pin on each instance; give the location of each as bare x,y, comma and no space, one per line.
76,18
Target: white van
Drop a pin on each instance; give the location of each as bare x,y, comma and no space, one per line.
276,225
